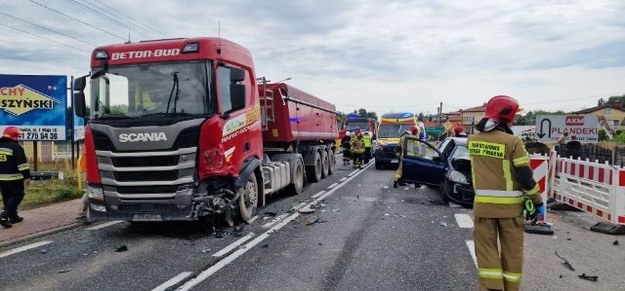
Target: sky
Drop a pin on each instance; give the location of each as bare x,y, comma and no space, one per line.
383,56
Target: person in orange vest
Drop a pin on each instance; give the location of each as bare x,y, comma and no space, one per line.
14,175
82,168
504,184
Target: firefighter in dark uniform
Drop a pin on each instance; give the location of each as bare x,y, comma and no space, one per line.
14,175
504,184
346,145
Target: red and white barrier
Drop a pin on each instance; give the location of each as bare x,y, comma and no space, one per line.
589,186
540,167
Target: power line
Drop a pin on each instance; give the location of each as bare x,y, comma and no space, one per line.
102,15
140,24
46,28
76,19
40,36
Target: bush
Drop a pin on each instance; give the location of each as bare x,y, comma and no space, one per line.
620,138
603,135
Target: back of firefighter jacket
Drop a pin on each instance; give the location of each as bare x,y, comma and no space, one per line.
498,159
13,163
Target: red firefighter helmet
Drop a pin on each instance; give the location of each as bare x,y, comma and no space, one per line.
458,130
502,108
413,130
12,132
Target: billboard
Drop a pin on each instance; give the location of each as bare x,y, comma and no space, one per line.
36,104
584,128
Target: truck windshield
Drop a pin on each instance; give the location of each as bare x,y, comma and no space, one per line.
363,125
392,130
149,89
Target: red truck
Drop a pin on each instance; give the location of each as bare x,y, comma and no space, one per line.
181,130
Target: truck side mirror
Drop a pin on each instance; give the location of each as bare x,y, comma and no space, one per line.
237,96
80,107
237,75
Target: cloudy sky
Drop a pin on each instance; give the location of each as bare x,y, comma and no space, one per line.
383,56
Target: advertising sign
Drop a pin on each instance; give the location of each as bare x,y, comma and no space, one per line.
35,104
584,128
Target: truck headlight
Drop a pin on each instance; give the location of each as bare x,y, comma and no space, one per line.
95,193
458,177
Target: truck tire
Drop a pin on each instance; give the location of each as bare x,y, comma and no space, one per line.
248,199
296,187
325,163
314,171
332,164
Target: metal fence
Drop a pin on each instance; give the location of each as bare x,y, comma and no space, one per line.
592,152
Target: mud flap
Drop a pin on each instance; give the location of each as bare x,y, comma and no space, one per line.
539,228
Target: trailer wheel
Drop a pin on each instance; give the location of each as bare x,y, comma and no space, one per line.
248,199
296,187
332,164
314,171
325,163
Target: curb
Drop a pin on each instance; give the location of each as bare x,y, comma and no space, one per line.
40,234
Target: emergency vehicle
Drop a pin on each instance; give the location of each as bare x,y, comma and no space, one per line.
182,130
391,127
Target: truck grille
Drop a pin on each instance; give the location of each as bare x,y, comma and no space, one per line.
131,175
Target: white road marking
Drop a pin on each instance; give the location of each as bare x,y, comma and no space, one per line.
343,179
273,221
234,245
352,173
252,219
173,281
212,270
464,220
106,224
332,186
471,246
298,206
24,248
242,250
318,194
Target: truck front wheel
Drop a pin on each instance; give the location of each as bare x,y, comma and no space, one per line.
248,199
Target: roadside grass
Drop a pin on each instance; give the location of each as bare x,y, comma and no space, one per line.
45,192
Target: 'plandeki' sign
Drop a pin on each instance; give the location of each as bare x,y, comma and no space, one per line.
36,104
581,127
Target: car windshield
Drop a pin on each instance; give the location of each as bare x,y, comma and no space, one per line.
392,130
149,89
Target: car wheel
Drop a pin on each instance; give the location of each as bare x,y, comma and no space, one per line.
445,190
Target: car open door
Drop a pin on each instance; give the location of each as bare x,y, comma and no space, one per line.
422,162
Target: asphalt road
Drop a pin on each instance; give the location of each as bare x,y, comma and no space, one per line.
362,235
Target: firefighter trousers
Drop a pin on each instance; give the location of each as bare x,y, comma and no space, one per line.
12,195
499,272
399,170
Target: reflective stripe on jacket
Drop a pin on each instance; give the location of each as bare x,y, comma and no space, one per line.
495,155
367,140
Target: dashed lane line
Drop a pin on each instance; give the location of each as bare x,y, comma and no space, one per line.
343,179
173,281
471,246
317,194
464,220
273,221
24,248
332,186
103,225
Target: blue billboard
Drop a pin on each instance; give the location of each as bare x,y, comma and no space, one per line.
36,104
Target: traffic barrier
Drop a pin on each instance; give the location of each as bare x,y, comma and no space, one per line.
540,167
592,187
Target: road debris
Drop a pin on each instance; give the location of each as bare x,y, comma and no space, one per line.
615,243
269,214
43,251
314,220
588,278
265,246
206,251
123,248
64,271
443,223
336,210
306,209
566,262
